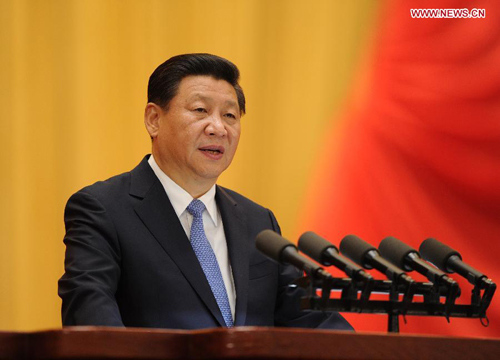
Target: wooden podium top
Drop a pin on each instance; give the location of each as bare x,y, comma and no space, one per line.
239,343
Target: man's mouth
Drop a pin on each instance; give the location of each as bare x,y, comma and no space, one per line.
215,150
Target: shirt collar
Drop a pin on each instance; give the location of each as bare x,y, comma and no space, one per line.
180,198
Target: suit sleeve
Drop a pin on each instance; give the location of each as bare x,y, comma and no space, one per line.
92,264
288,312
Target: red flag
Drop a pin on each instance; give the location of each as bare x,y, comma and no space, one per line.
418,154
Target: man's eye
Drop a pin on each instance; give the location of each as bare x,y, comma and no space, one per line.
231,115
200,110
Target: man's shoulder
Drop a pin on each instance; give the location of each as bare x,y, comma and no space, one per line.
117,183
239,199
122,183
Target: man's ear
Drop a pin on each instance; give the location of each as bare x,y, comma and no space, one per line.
152,119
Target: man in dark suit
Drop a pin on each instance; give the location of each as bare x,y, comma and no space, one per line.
163,246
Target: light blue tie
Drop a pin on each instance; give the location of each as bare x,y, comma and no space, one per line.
208,261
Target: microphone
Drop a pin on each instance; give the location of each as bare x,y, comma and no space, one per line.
283,251
450,261
368,256
327,254
408,258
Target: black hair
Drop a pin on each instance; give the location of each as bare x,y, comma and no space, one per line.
164,81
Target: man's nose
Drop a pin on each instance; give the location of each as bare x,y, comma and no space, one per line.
216,126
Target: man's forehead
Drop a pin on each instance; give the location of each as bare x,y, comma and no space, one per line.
204,81
207,88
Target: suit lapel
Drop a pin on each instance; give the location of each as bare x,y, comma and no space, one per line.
158,215
235,229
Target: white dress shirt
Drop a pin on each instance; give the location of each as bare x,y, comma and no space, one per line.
212,223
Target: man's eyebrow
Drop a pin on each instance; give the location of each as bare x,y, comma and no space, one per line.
200,96
231,103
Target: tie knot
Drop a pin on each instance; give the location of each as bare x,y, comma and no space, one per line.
196,208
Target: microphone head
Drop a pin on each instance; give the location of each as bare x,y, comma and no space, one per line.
437,253
396,251
272,244
356,249
314,246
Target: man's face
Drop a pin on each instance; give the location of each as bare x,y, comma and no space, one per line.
196,137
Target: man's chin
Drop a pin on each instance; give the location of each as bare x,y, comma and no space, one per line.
211,173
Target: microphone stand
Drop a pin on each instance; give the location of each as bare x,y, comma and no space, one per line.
355,297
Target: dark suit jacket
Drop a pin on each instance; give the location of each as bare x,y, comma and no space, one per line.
129,262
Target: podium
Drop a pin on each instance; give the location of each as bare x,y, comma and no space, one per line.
239,343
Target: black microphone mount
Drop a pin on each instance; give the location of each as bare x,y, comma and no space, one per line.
450,261
400,290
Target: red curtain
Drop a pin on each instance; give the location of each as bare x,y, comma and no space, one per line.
418,152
